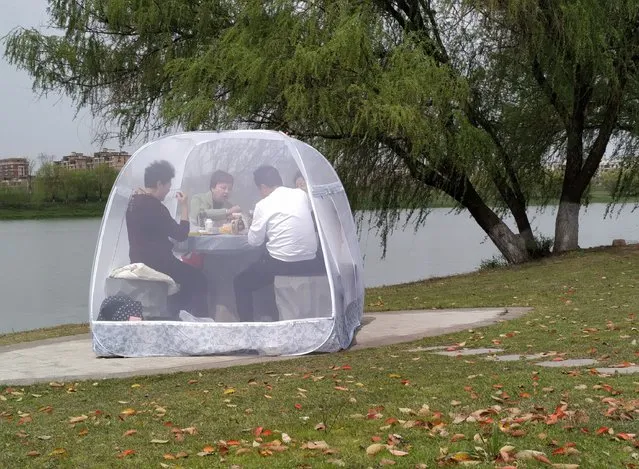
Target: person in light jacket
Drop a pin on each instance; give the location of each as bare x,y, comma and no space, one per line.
214,204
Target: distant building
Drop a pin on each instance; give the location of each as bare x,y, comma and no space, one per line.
115,159
79,161
75,161
14,171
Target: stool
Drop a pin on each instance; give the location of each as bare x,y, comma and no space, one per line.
302,297
152,294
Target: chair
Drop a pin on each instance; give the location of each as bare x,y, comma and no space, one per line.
151,294
302,297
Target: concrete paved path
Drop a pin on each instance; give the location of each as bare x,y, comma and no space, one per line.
71,358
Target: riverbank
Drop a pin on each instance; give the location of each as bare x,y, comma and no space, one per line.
399,404
49,210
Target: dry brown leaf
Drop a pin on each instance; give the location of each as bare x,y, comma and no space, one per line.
159,442
375,448
78,419
130,432
397,452
387,462
315,445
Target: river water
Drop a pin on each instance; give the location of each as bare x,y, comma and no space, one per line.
45,265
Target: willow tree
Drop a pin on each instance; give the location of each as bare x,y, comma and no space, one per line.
582,59
377,84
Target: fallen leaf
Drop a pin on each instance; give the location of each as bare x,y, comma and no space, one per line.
58,452
43,437
315,445
78,419
125,453
396,452
129,411
387,462
229,391
159,442
528,454
33,454
375,448
320,426
25,419
130,432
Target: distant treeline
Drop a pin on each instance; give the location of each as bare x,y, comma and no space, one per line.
55,191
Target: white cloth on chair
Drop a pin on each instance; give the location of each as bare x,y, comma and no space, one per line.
140,271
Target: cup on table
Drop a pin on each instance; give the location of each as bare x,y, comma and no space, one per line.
208,225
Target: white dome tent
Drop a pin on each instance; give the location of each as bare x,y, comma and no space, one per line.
131,311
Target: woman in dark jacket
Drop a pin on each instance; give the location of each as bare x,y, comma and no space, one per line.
150,225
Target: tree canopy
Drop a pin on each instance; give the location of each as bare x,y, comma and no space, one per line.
408,98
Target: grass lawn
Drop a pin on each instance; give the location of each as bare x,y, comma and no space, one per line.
378,407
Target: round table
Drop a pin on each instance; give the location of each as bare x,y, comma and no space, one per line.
225,256
220,242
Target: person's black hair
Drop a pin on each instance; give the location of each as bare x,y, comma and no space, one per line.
159,171
267,175
220,177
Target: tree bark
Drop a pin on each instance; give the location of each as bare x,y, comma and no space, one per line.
567,226
511,246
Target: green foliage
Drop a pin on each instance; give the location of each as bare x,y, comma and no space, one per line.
469,100
54,184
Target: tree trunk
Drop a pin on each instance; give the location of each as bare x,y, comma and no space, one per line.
511,246
567,226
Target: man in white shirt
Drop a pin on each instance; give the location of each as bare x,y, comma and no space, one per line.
284,222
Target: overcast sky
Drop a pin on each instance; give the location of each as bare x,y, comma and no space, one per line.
30,124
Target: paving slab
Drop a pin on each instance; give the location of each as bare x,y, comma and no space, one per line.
469,351
628,370
428,349
513,357
568,363
71,358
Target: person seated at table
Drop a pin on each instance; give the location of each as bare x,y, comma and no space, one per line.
214,204
283,221
150,225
